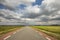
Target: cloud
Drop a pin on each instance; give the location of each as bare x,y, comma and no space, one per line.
15,3
32,12
51,9
33,9
11,12
9,15
48,12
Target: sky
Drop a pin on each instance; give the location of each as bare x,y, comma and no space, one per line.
29,12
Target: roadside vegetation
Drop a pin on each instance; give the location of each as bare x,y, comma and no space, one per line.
7,28
53,31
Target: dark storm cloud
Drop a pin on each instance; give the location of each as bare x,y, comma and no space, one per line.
30,15
58,18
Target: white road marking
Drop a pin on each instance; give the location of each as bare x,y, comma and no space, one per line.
48,38
7,37
14,33
42,34
17,31
38,32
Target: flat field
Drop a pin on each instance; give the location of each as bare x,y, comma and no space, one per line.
53,31
7,28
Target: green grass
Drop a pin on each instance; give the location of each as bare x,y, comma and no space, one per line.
5,29
53,31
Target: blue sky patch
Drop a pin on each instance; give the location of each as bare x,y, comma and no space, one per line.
2,6
38,2
22,6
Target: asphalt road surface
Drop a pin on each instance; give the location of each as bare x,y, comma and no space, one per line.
26,33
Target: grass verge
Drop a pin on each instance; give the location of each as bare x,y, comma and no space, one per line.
5,29
53,31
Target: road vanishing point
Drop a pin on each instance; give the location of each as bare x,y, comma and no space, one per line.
26,33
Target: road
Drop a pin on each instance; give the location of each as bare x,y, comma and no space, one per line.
26,33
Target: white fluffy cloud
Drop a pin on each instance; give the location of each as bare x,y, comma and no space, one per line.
8,15
51,9
33,9
14,3
46,13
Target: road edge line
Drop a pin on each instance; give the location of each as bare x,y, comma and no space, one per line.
7,37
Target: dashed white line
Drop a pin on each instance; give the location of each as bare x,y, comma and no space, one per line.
48,38
14,33
17,31
7,37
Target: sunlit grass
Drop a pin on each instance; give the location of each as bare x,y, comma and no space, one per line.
5,29
53,31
